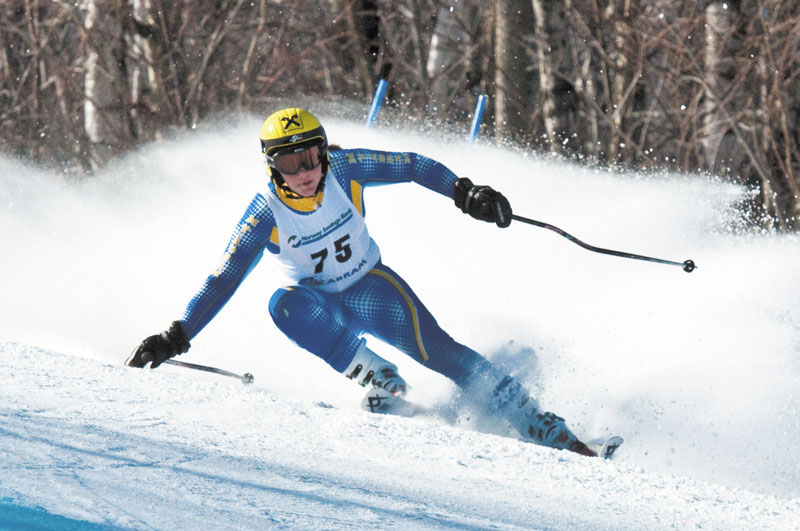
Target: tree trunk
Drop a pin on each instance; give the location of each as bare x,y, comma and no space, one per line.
454,54
362,23
778,65
147,91
105,120
719,143
616,15
513,20
449,43
548,53
584,79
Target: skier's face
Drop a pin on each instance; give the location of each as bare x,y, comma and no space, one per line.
305,182
302,171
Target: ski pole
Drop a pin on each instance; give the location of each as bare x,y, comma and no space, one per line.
687,265
246,378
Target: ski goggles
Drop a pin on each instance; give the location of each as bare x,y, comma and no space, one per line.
293,162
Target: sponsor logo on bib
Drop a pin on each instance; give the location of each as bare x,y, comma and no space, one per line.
296,241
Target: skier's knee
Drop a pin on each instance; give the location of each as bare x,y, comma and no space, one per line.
289,303
314,322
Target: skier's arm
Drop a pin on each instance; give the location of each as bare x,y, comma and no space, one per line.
243,252
375,168
371,168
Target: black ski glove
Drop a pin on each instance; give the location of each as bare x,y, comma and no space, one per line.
156,349
482,202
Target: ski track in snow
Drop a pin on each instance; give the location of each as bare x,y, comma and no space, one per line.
698,372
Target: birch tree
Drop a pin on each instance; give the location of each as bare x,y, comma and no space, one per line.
718,139
458,47
145,53
105,119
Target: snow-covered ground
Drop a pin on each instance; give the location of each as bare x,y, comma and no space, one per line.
699,372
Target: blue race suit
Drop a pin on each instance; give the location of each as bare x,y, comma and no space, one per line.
380,302
326,315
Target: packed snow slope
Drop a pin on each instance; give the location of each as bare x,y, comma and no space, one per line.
699,372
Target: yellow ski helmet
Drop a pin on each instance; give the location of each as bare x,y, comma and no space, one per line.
292,129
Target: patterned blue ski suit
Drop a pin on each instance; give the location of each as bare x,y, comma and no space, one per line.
380,303
327,314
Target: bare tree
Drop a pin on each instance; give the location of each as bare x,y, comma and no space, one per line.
146,52
579,71
513,85
774,39
549,50
105,111
406,29
690,86
718,59
455,47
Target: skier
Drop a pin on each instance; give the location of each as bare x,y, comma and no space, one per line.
312,218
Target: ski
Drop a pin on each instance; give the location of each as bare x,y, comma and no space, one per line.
608,447
381,401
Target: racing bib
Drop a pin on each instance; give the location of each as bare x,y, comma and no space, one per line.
330,248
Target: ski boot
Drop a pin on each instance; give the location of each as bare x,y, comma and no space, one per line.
369,368
388,387
550,430
545,428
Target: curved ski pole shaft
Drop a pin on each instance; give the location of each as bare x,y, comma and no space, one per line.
246,378
687,265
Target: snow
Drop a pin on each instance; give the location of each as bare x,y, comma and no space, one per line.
699,372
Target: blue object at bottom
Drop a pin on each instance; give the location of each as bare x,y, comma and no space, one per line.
13,516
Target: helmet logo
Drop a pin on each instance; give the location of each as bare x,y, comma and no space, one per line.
296,138
291,121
